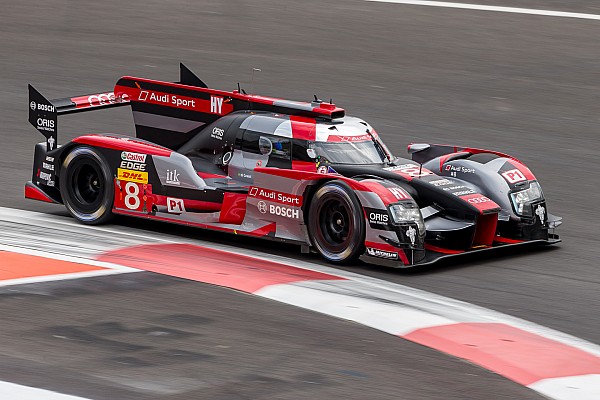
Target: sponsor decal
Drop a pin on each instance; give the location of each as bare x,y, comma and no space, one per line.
132,196
272,195
378,219
175,206
514,176
244,175
453,169
45,124
283,211
217,133
51,142
262,207
172,177
167,98
132,176
101,99
441,182
216,104
49,167
49,159
410,170
258,164
135,157
478,200
338,138
399,193
46,177
133,165
411,233
464,192
540,211
41,107
454,188
322,169
390,255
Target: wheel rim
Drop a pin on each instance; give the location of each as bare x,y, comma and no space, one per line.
87,184
335,223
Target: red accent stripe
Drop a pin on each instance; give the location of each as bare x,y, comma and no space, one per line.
524,170
444,158
206,175
212,266
233,210
485,230
303,128
35,193
308,166
123,144
500,239
197,205
514,353
442,250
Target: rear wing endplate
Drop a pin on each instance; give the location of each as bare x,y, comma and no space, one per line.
43,113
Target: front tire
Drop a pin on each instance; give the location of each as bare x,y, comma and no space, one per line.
335,223
86,186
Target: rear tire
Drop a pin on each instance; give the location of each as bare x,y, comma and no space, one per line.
86,186
336,223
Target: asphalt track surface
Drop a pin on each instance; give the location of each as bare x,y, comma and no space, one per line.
523,84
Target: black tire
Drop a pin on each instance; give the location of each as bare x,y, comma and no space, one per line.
336,223
86,186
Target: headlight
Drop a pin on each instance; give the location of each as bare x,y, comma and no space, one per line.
407,213
522,199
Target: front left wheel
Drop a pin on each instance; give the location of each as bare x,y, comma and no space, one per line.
86,186
336,223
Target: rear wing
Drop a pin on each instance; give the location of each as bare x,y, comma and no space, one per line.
167,113
43,113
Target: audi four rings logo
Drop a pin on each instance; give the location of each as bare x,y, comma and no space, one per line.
101,99
479,200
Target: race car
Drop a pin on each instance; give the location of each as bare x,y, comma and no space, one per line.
297,172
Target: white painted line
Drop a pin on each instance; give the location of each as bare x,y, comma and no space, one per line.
480,7
582,387
12,391
392,318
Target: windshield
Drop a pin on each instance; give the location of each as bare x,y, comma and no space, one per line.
364,152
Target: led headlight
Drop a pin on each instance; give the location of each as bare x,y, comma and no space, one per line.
522,199
407,213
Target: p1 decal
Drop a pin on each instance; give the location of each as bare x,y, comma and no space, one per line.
175,206
129,175
514,176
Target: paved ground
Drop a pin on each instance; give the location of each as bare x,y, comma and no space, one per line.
526,85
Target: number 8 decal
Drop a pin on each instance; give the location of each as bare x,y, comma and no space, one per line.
132,199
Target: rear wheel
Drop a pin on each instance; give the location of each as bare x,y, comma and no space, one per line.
86,186
336,223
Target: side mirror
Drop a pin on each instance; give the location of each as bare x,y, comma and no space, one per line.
311,153
418,147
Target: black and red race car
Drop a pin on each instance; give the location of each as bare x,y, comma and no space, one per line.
288,171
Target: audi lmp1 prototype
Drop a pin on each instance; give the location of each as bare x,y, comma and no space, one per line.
295,172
